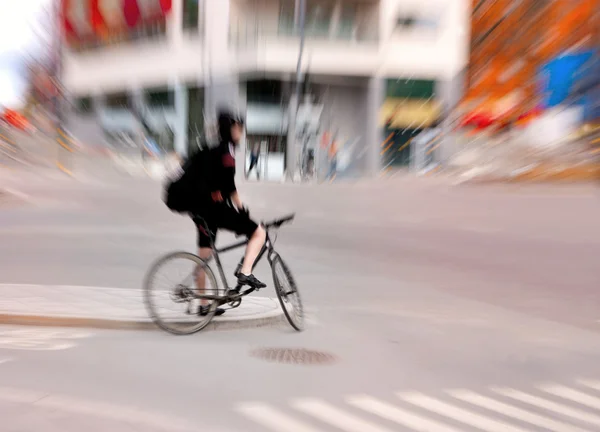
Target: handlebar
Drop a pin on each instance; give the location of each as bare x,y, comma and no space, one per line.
278,222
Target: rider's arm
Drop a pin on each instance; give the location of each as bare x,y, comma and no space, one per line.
235,199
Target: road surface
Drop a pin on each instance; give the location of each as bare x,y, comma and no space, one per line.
436,307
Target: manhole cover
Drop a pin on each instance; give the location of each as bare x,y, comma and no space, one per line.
293,356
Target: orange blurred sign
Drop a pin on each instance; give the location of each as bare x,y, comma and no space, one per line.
15,119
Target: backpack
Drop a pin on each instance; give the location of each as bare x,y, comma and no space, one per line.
183,189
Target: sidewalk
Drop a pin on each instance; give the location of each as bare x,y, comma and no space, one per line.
111,308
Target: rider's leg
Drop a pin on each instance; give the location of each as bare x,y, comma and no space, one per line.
205,253
240,223
255,244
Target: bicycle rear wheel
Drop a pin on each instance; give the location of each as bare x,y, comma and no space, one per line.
287,292
172,298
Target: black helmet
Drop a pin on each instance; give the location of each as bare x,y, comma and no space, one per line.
225,120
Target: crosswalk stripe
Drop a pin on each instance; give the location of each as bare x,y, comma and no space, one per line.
458,414
573,395
595,385
549,405
272,418
512,411
336,417
397,415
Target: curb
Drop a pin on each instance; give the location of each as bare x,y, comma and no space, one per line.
221,323
112,309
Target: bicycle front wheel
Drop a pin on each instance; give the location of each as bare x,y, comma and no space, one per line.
172,296
287,292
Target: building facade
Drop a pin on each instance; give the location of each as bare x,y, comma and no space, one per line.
373,67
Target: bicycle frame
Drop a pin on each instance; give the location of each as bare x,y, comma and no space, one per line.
268,246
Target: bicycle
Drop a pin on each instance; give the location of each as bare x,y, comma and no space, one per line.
186,294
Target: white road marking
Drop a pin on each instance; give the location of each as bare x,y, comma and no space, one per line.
272,418
397,415
5,360
489,414
459,414
40,339
573,395
549,405
512,411
336,417
18,194
595,385
97,409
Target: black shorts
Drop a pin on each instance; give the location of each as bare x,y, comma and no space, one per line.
222,216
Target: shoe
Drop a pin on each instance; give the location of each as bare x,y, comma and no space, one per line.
203,310
250,280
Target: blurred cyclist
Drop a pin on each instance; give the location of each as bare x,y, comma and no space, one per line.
220,207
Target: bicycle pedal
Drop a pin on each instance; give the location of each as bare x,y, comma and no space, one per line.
235,303
234,293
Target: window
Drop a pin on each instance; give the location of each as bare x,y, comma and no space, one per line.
191,14
264,91
318,17
346,25
410,89
117,100
83,104
270,143
429,21
160,98
286,17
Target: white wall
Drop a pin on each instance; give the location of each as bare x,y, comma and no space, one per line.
421,51
321,57
123,120
427,53
183,57
178,55
140,65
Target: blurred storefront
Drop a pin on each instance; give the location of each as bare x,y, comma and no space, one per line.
410,107
165,66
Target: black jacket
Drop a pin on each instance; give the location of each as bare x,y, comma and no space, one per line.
221,169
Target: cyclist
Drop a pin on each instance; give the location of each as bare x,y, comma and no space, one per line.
219,205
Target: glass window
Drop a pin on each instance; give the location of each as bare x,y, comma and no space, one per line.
160,98
286,17
191,14
346,25
410,88
84,104
270,143
117,100
318,17
264,91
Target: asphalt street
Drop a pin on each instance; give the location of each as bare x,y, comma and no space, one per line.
436,306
